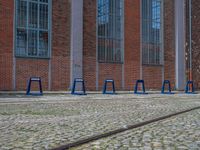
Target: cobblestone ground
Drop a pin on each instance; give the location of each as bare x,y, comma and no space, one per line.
50,121
176,133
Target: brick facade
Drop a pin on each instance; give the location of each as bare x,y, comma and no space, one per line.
131,43
6,44
195,42
110,71
169,42
60,61
56,69
26,68
154,75
55,72
89,43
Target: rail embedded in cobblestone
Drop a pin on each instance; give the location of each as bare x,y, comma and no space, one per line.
125,128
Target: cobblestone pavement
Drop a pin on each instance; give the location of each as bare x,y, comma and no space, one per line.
53,120
176,133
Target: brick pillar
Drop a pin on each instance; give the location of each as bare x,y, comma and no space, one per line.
6,44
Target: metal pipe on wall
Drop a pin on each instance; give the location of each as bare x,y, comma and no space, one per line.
190,37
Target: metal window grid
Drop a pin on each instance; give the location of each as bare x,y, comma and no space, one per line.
32,28
152,32
110,23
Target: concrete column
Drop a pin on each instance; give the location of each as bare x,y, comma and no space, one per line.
76,39
180,43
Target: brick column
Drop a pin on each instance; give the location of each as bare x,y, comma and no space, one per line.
6,44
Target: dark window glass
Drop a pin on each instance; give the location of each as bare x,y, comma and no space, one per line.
32,28
152,32
110,30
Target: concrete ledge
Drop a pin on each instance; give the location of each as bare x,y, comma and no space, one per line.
88,92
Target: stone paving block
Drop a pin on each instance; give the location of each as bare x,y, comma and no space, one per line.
184,136
50,121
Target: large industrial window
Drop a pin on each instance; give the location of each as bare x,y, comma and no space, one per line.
32,30
152,45
110,15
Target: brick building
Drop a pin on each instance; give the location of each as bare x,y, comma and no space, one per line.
124,40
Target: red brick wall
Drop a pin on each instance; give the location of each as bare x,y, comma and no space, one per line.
26,68
132,43
195,42
6,43
89,43
152,75
132,48
169,42
60,61
110,71
187,53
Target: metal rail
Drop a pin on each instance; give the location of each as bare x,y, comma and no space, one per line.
129,127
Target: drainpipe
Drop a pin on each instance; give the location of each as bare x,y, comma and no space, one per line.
190,38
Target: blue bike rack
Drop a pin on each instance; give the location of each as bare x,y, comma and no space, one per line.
78,80
105,86
136,87
34,79
166,82
188,90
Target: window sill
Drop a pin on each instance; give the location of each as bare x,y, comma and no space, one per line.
153,65
32,57
109,62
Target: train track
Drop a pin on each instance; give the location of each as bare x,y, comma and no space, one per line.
129,127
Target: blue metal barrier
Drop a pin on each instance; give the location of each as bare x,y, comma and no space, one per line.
166,82
105,86
136,87
188,89
74,92
34,79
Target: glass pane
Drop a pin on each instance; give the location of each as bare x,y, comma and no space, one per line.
21,13
32,43
145,53
43,16
44,1
109,30
117,54
21,42
43,44
32,30
33,15
151,31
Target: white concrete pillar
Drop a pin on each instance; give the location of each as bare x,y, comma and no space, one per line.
180,43
76,39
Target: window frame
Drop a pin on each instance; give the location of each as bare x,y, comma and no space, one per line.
160,44
38,29
114,59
